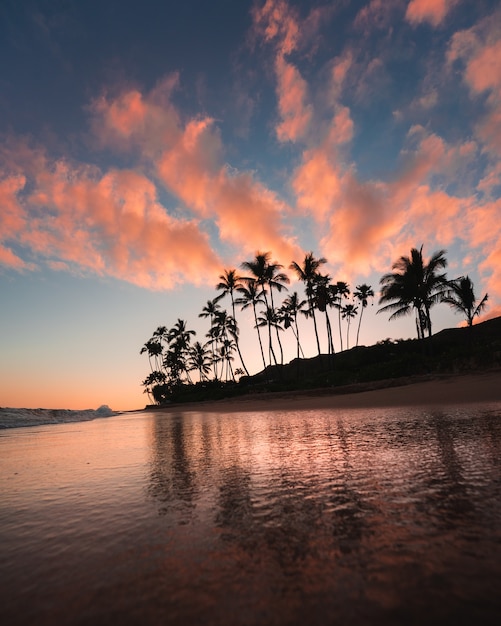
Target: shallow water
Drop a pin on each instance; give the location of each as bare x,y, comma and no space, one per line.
384,516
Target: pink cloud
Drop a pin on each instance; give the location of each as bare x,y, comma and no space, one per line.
189,161
366,224
13,220
109,224
294,111
480,50
432,11
129,121
276,22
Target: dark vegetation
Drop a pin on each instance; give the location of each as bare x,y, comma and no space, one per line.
182,370
388,363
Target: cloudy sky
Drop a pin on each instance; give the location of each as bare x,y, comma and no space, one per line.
146,146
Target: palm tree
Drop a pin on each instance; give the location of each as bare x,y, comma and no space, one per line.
179,337
306,274
323,298
252,296
258,268
276,280
267,273
210,310
462,299
340,290
289,310
271,319
229,283
349,312
200,359
226,356
414,285
154,349
362,294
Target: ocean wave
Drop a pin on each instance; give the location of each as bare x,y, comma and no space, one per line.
16,418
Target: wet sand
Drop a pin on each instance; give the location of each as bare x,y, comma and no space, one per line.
427,391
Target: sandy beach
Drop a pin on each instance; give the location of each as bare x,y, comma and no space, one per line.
428,391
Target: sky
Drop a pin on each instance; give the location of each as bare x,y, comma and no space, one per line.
147,146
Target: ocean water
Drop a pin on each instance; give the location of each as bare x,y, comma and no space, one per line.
383,516
17,418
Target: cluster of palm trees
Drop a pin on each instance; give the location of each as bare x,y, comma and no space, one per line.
412,286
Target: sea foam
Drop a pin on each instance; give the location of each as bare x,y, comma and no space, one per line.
15,418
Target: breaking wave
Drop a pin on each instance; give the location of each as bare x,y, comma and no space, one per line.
15,418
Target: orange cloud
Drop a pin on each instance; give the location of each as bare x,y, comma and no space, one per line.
129,121
294,111
109,224
12,221
432,11
480,50
275,21
189,162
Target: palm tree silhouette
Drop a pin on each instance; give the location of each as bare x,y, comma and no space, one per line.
323,298
461,297
289,310
306,273
414,285
229,283
348,312
210,310
340,291
267,273
251,295
200,359
276,279
270,318
362,294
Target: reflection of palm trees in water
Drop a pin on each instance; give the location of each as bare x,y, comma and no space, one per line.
293,515
447,495
349,509
172,481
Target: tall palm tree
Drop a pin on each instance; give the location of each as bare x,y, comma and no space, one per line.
154,349
226,356
210,310
251,295
258,268
362,294
266,274
323,298
414,285
306,274
200,359
340,290
276,279
348,312
461,297
289,310
229,284
270,319
179,337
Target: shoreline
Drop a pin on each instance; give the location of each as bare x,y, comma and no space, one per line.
432,390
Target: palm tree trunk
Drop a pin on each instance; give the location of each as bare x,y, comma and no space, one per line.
297,338
340,333
359,323
312,309
236,338
259,336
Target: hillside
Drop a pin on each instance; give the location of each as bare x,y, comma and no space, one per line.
451,351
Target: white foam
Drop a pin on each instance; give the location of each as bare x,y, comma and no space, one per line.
15,418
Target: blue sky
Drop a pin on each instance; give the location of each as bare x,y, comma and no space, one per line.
145,147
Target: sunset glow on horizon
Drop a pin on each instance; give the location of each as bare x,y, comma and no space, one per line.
143,153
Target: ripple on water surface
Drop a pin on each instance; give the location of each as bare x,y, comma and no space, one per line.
384,516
